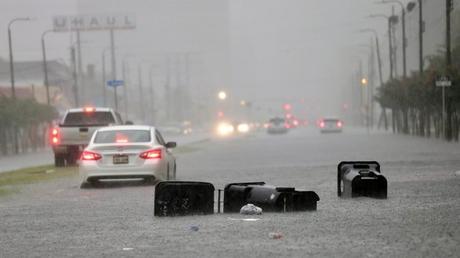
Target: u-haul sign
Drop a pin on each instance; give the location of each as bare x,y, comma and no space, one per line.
93,22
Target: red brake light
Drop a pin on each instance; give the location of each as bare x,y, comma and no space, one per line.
89,155
339,124
321,124
287,126
151,154
55,138
89,109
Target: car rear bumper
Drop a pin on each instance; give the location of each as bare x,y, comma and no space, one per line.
90,172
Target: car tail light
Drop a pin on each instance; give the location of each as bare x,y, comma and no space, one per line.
151,154
321,124
287,126
89,155
89,109
339,124
55,137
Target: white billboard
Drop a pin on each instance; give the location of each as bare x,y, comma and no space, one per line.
94,22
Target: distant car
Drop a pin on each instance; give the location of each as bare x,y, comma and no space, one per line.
124,152
331,125
277,125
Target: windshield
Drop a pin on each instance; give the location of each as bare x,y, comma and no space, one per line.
122,136
88,118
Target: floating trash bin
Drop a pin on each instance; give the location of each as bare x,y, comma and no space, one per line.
179,198
269,198
361,178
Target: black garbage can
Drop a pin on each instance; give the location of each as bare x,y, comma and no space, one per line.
268,197
179,198
361,178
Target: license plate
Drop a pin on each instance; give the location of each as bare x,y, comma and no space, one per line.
120,159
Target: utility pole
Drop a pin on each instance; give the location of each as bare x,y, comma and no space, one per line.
420,34
449,6
394,45
45,67
114,67
74,75
80,66
141,93
125,89
447,125
152,94
390,45
404,41
104,80
371,86
168,88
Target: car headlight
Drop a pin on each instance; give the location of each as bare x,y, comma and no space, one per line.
243,128
224,129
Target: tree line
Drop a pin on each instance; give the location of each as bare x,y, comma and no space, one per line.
416,102
24,123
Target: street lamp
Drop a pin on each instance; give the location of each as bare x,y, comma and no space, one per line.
13,92
45,66
222,95
403,24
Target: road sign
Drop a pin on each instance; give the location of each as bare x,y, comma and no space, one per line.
115,83
443,81
93,22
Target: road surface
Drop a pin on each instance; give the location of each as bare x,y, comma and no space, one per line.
420,218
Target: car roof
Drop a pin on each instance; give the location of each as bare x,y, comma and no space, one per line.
96,109
126,127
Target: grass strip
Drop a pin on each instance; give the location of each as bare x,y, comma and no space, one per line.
31,175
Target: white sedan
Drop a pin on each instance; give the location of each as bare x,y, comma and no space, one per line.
125,152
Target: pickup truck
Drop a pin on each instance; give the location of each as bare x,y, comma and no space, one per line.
73,134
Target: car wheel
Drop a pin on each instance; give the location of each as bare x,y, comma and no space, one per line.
59,161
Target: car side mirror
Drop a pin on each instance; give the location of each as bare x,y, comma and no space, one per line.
171,145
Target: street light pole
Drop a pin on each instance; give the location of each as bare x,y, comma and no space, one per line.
377,45
141,94
104,77
114,66
403,24
45,67
10,47
390,44
420,34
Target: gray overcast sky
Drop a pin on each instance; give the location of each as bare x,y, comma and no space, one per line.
281,48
